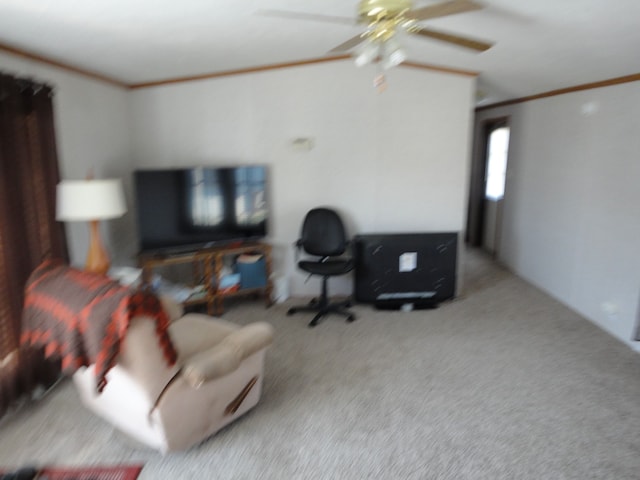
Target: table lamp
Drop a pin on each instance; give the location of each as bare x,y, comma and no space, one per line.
91,200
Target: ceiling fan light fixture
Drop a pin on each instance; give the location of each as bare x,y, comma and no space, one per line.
385,8
394,58
384,20
393,53
367,54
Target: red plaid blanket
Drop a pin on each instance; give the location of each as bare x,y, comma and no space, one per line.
83,317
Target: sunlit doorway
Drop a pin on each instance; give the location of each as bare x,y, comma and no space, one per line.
487,186
497,154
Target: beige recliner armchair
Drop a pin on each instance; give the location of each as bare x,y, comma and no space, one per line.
217,378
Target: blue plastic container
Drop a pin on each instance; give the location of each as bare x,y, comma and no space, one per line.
252,275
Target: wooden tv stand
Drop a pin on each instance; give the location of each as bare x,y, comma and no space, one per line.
207,265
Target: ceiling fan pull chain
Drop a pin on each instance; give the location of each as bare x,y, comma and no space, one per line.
380,82
380,79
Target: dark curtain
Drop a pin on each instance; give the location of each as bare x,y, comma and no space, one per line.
29,232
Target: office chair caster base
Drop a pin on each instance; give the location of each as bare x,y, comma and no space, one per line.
291,311
317,318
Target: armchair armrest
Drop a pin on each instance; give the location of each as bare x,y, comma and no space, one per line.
227,355
173,309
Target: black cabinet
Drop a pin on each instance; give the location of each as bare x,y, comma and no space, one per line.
405,268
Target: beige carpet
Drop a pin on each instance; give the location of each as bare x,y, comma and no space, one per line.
502,383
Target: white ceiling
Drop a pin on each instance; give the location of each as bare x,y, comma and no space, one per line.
541,45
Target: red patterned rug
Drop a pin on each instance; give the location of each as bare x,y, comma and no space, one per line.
127,472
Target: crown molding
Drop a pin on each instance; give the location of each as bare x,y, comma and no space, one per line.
206,76
562,91
60,65
438,68
240,71
277,66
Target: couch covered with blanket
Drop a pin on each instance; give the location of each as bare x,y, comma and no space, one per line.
167,379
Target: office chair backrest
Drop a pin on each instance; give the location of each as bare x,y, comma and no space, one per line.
323,233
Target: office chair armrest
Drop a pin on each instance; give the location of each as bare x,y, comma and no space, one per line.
348,247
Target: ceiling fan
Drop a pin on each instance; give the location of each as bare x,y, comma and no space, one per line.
383,19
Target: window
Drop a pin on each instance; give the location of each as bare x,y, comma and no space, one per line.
498,147
251,207
206,198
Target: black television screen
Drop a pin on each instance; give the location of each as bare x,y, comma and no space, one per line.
190,208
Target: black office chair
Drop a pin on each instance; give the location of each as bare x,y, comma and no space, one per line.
323,235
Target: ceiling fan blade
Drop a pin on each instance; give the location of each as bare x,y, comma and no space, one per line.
306,16
443,9
348,45
455,39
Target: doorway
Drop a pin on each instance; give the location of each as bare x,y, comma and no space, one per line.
487,186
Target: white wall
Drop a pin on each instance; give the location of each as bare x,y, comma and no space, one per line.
91,123
571,219
391,162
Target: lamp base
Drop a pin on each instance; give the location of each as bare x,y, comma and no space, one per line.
97,256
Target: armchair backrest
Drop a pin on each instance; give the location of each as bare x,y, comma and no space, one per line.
323,233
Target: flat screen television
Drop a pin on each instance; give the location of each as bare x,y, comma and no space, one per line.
186,209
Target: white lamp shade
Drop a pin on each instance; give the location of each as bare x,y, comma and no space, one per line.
85,200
